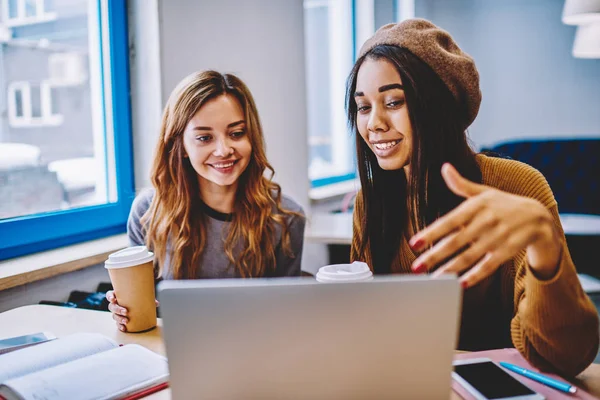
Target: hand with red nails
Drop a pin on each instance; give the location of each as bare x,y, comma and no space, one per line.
487,229
119,313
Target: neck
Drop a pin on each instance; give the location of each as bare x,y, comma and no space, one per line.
406,169
219,198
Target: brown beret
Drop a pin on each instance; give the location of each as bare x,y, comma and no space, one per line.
438,50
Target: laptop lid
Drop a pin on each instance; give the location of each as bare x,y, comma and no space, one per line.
296,339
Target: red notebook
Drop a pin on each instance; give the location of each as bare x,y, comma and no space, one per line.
138,395
147,392
514,357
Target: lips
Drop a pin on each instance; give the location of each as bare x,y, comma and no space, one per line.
385,148
224,166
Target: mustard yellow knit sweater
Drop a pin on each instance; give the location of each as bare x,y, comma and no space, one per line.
552,323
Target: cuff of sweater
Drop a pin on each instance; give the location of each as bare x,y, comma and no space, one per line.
553,292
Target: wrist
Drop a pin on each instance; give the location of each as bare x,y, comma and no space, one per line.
544,254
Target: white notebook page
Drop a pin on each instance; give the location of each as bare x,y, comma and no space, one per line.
54,352
107,375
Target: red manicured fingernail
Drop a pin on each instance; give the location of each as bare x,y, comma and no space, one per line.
420,268
464,284
417,244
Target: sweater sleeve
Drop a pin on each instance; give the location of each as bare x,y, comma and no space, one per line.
290,264
135,229
555,325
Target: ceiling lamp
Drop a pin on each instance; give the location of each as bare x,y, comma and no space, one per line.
580,12
587,41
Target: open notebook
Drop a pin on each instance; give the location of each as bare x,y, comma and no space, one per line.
81,366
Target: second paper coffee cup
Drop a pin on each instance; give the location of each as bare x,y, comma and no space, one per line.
355,272
131,273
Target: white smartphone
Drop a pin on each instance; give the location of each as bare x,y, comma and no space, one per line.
486,380
19,342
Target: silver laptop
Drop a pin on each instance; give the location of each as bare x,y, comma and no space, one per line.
289,338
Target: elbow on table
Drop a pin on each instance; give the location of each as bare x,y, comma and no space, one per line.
580,353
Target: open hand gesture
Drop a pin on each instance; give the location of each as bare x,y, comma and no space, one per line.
487,229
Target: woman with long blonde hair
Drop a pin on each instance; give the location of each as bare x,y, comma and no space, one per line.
212,212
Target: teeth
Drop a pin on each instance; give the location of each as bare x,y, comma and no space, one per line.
386,145
224,165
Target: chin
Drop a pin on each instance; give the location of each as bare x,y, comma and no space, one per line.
224,182
391,165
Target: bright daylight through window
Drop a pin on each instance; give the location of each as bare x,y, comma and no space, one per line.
334,31
56,152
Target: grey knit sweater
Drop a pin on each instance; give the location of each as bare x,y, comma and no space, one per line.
214,262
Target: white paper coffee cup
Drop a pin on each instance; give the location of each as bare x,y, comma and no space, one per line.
358,271
131,272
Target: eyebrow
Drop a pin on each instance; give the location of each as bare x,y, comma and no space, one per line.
382,89
208,128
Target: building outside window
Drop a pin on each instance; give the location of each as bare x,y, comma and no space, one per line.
23,12
62,72
30,106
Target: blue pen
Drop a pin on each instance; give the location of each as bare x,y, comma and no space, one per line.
553,383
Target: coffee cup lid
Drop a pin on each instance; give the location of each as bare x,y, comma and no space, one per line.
357,271
129,257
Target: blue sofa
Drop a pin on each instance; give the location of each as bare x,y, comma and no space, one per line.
571,166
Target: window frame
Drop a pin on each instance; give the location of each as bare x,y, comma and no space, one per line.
352,174
38,232
402,9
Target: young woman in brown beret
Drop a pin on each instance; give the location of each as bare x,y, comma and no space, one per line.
430,204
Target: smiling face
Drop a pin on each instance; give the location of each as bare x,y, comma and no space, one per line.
382,114
217,143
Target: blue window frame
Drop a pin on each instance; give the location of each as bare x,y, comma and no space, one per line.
329,42
42,231
315,183
345,24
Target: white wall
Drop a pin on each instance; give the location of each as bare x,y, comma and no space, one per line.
532,86
261,41
145,79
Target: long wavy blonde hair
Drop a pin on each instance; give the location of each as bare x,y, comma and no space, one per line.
175,216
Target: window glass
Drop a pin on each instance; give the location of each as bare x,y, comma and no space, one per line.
53,136
329,49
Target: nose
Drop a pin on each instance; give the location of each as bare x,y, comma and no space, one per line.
223,148
377,121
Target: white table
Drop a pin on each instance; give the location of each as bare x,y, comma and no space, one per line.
64,321
329,228
580,224
336,228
